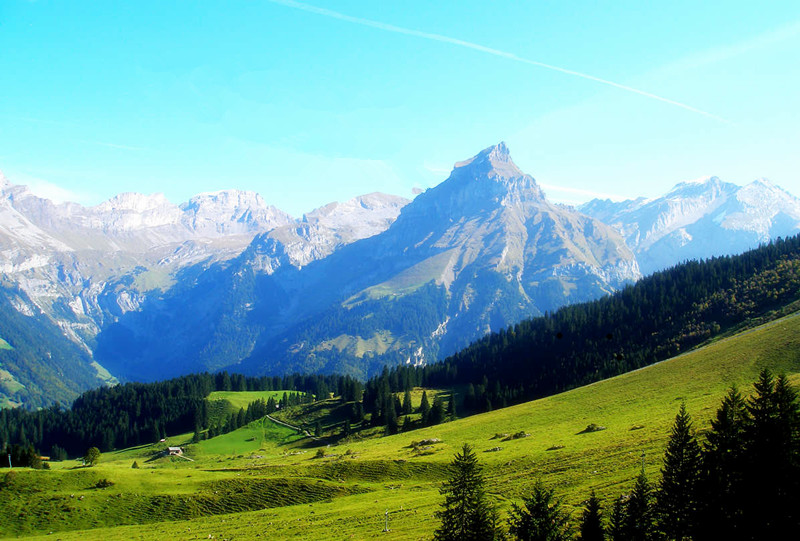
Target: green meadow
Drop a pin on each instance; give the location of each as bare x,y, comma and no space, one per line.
221,404
266,481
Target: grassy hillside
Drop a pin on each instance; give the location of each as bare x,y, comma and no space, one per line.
347,492
223,403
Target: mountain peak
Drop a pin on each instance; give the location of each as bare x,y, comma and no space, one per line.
499,152
4,183
710,186
494,161
136,202
758,182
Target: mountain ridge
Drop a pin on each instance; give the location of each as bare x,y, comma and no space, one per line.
696,220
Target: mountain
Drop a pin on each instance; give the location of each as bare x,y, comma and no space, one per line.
700,219
478,252
82,268
39,364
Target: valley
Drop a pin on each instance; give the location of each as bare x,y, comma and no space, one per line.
264,480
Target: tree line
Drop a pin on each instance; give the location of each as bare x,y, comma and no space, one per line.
660,316
742,481
137,413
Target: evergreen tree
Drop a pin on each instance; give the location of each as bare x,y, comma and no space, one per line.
721,479
592,521
677,495
425,408
541,518
437,412
451,407
639,523
392,425
407,407
770,466
318,429
617,521
466,512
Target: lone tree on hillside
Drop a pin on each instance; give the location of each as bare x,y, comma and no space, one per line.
92,456
466,513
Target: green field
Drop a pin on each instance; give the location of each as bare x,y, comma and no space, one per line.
5,345
223,403
263,480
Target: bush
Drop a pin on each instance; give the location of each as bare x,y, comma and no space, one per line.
135,465
104,483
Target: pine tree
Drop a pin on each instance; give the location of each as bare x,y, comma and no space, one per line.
466,512
592,521
437,412
390,416
639,511
617,521
425,408
451,407
721,478
541,518
407,407
770,466
677,496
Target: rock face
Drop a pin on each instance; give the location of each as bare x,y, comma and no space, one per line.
701,219
480,251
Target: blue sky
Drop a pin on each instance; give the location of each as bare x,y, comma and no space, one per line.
308,103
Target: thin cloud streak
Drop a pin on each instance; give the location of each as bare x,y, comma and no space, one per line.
488,50
111,145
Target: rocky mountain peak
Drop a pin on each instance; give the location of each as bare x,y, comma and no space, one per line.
225,199
136,202
487,182
493,162
711,186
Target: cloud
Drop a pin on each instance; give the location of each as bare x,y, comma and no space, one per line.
437,169
487,50
111,145
726,52
54,193
586,194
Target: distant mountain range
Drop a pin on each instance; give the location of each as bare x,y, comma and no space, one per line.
478,252
146,289
700,219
